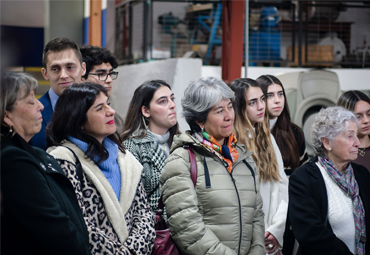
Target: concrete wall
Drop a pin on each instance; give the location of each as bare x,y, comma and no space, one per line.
66,19
176,72
22,13
111,24
58,17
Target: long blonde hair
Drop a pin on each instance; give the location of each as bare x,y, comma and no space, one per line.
258,139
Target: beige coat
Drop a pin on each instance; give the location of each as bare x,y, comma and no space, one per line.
224,219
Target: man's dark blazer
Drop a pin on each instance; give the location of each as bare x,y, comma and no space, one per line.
39,140
308,208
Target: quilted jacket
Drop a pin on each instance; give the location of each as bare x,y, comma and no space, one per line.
227,217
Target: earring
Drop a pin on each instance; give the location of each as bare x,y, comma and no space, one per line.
329,149
202,129
11,129
144,118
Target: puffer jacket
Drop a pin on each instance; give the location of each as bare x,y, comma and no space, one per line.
226,218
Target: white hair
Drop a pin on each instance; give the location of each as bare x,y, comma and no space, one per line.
329,123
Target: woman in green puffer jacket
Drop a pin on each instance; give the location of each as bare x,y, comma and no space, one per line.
222,213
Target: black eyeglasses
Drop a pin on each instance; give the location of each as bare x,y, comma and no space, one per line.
104,76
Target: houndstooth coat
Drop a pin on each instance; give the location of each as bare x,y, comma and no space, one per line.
148,152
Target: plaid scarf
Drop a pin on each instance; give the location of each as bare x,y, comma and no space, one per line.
348,183
226,152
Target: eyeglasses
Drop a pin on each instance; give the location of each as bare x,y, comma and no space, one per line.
104,76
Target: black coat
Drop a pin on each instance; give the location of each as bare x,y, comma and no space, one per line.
308,207
40,212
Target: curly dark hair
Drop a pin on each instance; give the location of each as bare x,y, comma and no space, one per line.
95,55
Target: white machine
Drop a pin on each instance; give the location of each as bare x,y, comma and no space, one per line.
307,93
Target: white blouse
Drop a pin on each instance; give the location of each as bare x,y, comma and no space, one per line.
275,199
340,211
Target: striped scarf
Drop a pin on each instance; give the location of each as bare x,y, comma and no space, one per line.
226,152
348,183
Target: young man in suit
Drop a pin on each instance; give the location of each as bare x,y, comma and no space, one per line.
100,65
62,66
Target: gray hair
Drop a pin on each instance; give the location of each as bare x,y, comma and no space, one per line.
329,123
199,98
12,84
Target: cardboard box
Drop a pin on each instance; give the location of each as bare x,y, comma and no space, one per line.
315,53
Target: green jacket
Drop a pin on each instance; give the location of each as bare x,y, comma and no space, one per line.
226,218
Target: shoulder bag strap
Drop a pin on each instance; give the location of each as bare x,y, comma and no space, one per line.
253,174
193,165
78,166
193,174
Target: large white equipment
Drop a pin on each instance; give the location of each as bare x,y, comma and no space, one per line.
307,93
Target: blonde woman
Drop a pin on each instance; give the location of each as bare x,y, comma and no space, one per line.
251,128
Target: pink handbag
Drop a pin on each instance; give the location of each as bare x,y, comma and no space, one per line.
163,244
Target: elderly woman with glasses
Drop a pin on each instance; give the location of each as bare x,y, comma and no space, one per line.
222,213
329,197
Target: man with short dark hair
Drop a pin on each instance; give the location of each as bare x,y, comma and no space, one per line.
100,65
62,66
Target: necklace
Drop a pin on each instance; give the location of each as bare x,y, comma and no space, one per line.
361,152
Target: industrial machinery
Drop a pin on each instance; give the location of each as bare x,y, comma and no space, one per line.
169,25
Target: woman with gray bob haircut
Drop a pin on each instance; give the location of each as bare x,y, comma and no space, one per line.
201,96
329,197
221,213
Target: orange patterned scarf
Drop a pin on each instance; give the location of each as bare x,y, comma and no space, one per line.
226,152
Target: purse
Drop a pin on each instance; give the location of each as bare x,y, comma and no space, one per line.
163,244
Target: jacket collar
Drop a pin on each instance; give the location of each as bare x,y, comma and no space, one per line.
130,179
187,138
148,138
49,166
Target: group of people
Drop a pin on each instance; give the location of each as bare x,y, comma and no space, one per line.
78,179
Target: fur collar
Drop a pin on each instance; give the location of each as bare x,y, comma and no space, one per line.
130,177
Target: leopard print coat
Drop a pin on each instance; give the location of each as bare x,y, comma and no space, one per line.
115,227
